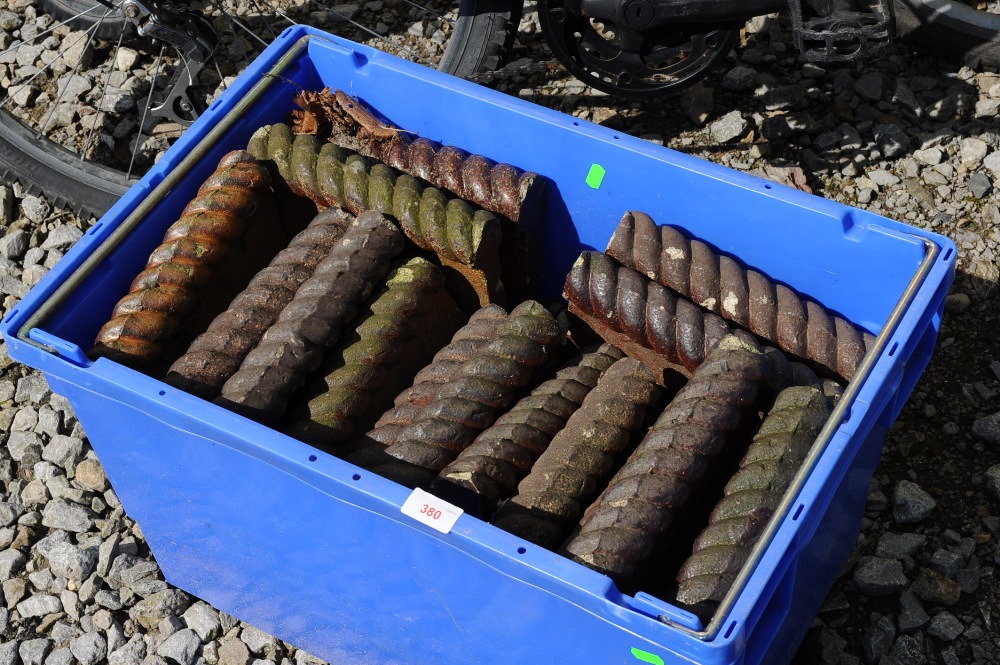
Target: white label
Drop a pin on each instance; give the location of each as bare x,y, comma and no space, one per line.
430,510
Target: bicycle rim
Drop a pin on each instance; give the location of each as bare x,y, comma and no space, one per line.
75,119
952,29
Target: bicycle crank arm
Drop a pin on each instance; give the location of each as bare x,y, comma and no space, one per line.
649,14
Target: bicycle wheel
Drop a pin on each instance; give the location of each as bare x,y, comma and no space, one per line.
951,28
87,108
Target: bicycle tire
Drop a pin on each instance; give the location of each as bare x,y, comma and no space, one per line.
950,29
481,37
64,10
47,169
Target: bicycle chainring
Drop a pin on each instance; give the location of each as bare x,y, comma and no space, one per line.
626,62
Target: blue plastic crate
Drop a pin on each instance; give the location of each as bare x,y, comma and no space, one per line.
317,552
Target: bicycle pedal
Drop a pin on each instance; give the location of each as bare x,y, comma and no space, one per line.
843,36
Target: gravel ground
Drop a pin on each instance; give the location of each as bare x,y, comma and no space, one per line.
908,136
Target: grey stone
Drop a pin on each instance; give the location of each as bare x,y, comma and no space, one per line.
910,503
947,563
90,474
25,96
869,86
972,152
945,627
992,163
133,652
930,156
115,635
899,546
32,388
33,652
62,237
106,553
882,178
149,611
968,579
203,619
108,599
305,658
71,562
42,579
142,578
67,516
35,209
949,657
14,244
956,303
740,78
116,100
936,588
181,647
257,640
979,184
169,625
126,59
9,21
11,562
25,447
9,512
987,108
154,659
8,653
61,656
786,98
35,494
728,128
72,87
876,576
71,604
698,102
907,651
786,126
992,479
988,428
233,652
25,420
63,632
63,450
911,613
89,648
891,140
39,605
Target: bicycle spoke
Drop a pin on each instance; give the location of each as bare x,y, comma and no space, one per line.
145,110
232,20
74,74
55,26
12,93
428,10
104,90
267,24
222,79
412,54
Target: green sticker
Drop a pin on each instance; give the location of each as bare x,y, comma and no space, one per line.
645,656
596,176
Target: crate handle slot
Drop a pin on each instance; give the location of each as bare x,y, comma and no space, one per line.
60,347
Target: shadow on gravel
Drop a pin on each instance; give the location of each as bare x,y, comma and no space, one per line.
765,102
931,444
